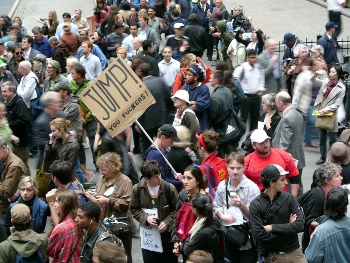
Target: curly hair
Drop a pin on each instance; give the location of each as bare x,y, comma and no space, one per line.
111,161
269,100
325,172
150,168
336,204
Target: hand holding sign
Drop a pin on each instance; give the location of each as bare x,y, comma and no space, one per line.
117,97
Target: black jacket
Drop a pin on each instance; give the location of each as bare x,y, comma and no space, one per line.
221,102
197,37
275,119
284,235
150,59
18,119
207,239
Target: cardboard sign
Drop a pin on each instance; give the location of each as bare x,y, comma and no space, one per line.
150,236
117,97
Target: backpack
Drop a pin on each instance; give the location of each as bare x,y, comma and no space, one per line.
304,198
226,39
37,257
35,106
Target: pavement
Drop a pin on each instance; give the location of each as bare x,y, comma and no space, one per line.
303,18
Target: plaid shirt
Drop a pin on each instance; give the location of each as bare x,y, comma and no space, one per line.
64,238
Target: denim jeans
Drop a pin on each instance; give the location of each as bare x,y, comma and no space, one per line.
333,137
310,129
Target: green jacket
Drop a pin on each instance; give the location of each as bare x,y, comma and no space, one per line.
48,85
25,243
77,89
226,37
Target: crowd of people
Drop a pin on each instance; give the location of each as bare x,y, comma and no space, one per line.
197,196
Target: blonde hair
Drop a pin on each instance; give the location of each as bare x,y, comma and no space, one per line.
178,8
123,49
28,181
61,124
111,161
186,59
54,16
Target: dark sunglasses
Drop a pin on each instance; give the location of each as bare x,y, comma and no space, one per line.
19,53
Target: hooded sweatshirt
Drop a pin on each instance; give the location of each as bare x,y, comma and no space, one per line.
25,243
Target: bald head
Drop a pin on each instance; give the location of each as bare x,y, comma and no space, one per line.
283,100
271,45
25,67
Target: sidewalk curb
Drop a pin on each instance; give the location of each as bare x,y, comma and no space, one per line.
323,4
13,9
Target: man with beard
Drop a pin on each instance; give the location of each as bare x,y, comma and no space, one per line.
198,94
264,155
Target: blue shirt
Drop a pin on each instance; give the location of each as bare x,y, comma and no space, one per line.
43,47
97,52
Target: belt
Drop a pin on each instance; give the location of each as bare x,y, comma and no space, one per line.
251,95
334,11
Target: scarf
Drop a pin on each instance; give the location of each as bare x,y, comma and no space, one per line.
330,85
198,224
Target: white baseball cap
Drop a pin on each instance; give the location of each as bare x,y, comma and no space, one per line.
258,136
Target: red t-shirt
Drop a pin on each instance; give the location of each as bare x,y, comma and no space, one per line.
218,166
254,164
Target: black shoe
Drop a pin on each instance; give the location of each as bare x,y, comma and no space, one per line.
210,58
33,155
320,161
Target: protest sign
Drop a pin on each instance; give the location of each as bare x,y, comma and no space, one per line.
150,236
117,97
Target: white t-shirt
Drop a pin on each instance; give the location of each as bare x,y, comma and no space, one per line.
335,5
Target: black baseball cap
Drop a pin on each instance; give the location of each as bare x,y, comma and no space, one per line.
169,131
273,171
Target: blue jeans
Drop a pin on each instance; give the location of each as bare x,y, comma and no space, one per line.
80,173
310,129
333,137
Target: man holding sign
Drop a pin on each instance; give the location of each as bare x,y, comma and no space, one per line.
153,204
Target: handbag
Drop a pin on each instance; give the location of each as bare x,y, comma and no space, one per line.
43,180
326,122
237,234
232,129
118,225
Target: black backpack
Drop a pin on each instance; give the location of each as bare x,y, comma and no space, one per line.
304,198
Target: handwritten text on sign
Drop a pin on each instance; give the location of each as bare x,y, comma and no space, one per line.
117,97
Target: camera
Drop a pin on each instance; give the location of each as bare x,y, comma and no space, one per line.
97,11
157,221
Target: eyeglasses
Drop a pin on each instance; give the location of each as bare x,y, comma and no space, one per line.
19,53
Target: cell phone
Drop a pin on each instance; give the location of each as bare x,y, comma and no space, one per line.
157,221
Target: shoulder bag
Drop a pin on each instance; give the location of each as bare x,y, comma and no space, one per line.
237,234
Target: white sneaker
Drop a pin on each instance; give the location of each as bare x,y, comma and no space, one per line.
86,144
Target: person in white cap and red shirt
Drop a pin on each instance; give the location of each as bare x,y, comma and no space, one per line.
264,155
276,218
25,243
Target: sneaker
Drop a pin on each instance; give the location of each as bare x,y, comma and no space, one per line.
86,144
33,155
320,161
